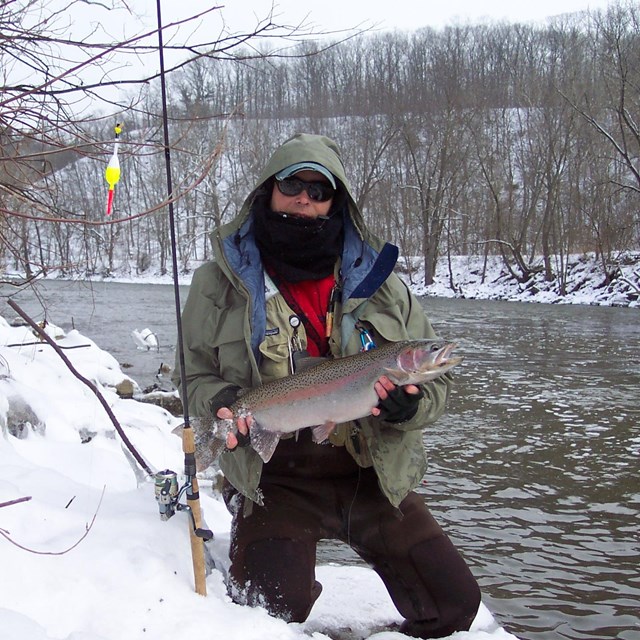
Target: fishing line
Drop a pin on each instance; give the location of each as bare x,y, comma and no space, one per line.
172,224
166,494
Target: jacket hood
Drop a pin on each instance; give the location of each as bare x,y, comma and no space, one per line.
306,147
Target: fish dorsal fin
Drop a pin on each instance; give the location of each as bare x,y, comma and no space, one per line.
308,362
263,441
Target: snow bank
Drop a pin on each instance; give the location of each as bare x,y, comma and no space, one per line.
584,281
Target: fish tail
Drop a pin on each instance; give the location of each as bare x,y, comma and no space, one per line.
210,437
208,454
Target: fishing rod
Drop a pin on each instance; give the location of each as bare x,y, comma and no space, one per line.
166,485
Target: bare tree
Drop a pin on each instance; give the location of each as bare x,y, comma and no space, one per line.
457,139
612,105
50,81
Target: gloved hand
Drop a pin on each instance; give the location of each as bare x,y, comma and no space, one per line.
399,406
226,398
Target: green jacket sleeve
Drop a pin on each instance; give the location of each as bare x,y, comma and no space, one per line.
215,347
394,313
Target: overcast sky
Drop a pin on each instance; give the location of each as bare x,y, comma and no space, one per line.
99,22
330,16
389,14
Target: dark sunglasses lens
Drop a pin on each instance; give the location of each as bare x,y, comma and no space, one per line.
318,191
290,186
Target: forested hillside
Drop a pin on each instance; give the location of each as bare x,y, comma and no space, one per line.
513,140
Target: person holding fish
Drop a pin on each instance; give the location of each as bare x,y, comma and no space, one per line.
319,371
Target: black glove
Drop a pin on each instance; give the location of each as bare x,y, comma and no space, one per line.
243,441
399,406
224,398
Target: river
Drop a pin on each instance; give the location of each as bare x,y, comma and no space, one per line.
534,469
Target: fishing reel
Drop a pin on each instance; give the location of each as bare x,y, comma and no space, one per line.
168,494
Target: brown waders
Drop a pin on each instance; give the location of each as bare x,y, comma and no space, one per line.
313,492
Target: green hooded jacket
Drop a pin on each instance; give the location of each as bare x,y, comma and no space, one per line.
236,331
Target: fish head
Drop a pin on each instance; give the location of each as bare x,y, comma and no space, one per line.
426,360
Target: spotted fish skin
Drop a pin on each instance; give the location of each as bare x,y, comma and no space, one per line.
322,396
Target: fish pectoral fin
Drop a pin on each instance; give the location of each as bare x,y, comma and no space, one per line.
397,376
263,441
322,431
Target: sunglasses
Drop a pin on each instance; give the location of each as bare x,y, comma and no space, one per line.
317,191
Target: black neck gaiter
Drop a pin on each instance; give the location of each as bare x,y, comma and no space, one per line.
298,248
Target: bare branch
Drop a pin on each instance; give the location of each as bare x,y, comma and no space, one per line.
16,501
5,534
105,405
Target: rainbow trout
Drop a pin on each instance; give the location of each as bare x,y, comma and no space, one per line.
322,396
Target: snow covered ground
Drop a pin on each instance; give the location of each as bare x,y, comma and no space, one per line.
87,557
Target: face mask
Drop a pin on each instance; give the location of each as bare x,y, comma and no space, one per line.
298,248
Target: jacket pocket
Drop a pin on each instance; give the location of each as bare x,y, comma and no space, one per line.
275,351
275,348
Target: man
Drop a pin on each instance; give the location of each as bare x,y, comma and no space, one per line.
298,273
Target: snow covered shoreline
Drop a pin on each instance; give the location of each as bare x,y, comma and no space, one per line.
473,277
585,282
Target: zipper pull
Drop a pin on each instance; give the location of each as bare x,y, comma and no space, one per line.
336,294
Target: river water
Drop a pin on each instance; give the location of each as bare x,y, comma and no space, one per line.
534,470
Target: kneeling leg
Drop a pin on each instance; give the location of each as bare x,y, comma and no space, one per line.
277,574
427,579
445,597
